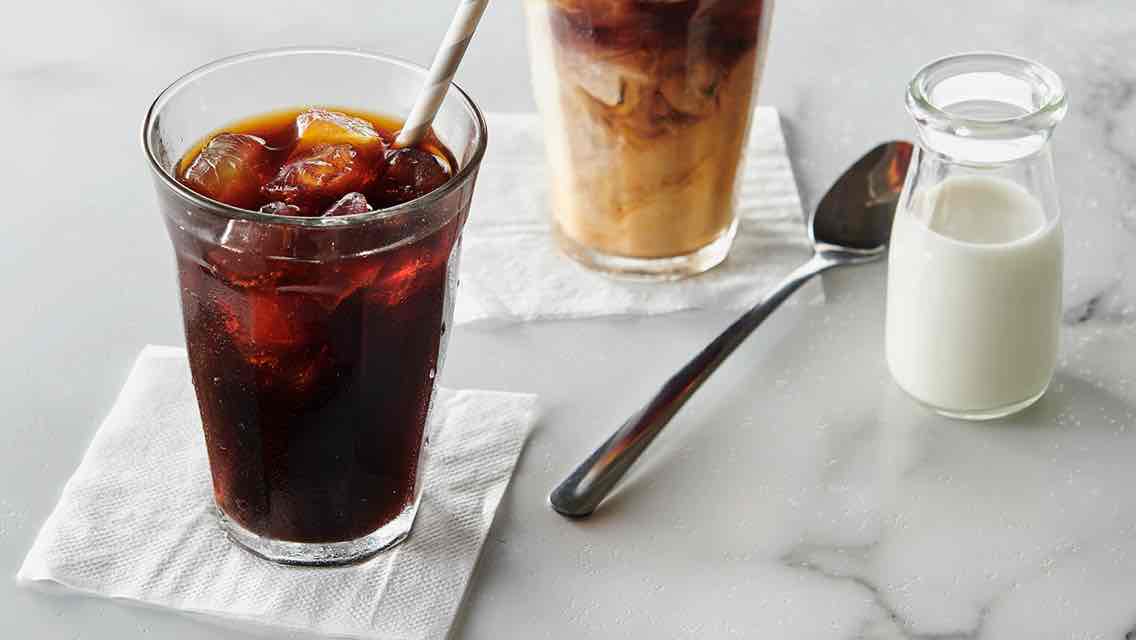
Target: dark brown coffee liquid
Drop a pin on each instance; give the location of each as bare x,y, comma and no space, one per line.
313,371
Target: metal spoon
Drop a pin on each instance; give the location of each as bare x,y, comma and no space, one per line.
850,226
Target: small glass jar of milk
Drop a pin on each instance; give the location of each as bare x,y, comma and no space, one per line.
974,271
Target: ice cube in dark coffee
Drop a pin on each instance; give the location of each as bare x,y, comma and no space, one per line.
318,175
320,126
349,204
230,168
409,174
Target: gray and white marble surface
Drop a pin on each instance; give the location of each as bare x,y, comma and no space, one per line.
801,495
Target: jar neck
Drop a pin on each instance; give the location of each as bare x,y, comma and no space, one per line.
985,108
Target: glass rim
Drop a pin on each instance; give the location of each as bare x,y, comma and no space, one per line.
460,178
1040,118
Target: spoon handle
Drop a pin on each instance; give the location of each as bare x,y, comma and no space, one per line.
579,494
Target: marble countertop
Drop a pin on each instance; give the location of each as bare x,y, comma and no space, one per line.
800,495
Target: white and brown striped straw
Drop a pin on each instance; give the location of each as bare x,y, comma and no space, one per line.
442,71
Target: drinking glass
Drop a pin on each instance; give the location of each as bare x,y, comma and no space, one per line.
646,109
313,343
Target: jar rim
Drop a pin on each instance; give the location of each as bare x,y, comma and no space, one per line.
1044,116
149,129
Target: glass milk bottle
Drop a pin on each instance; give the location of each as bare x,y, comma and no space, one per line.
974,271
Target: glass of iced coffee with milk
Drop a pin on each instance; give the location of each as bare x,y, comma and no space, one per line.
646,107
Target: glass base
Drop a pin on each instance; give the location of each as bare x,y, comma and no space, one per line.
322,553
986,414
649,269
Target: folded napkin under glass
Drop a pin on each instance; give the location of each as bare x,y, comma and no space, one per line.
511,270
137,519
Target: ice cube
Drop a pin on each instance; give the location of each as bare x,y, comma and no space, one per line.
604,80
319,126
280,209
314,178
267,240
262,319
256,254
411,173
693,90
275,332
275,319
241,270
344,280
278,329
349,204
588,15
399,281
408,271
230,168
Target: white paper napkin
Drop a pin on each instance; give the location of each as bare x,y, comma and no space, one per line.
511,270
136,519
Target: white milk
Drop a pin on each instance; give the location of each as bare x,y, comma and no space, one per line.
974,296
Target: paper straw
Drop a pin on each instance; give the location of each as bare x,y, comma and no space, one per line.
442,71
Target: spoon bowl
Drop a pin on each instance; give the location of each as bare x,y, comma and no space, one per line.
854,217
851,225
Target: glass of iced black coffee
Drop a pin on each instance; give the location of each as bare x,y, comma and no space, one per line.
317,267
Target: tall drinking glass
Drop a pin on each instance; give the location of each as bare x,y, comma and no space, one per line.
313,343
646,107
